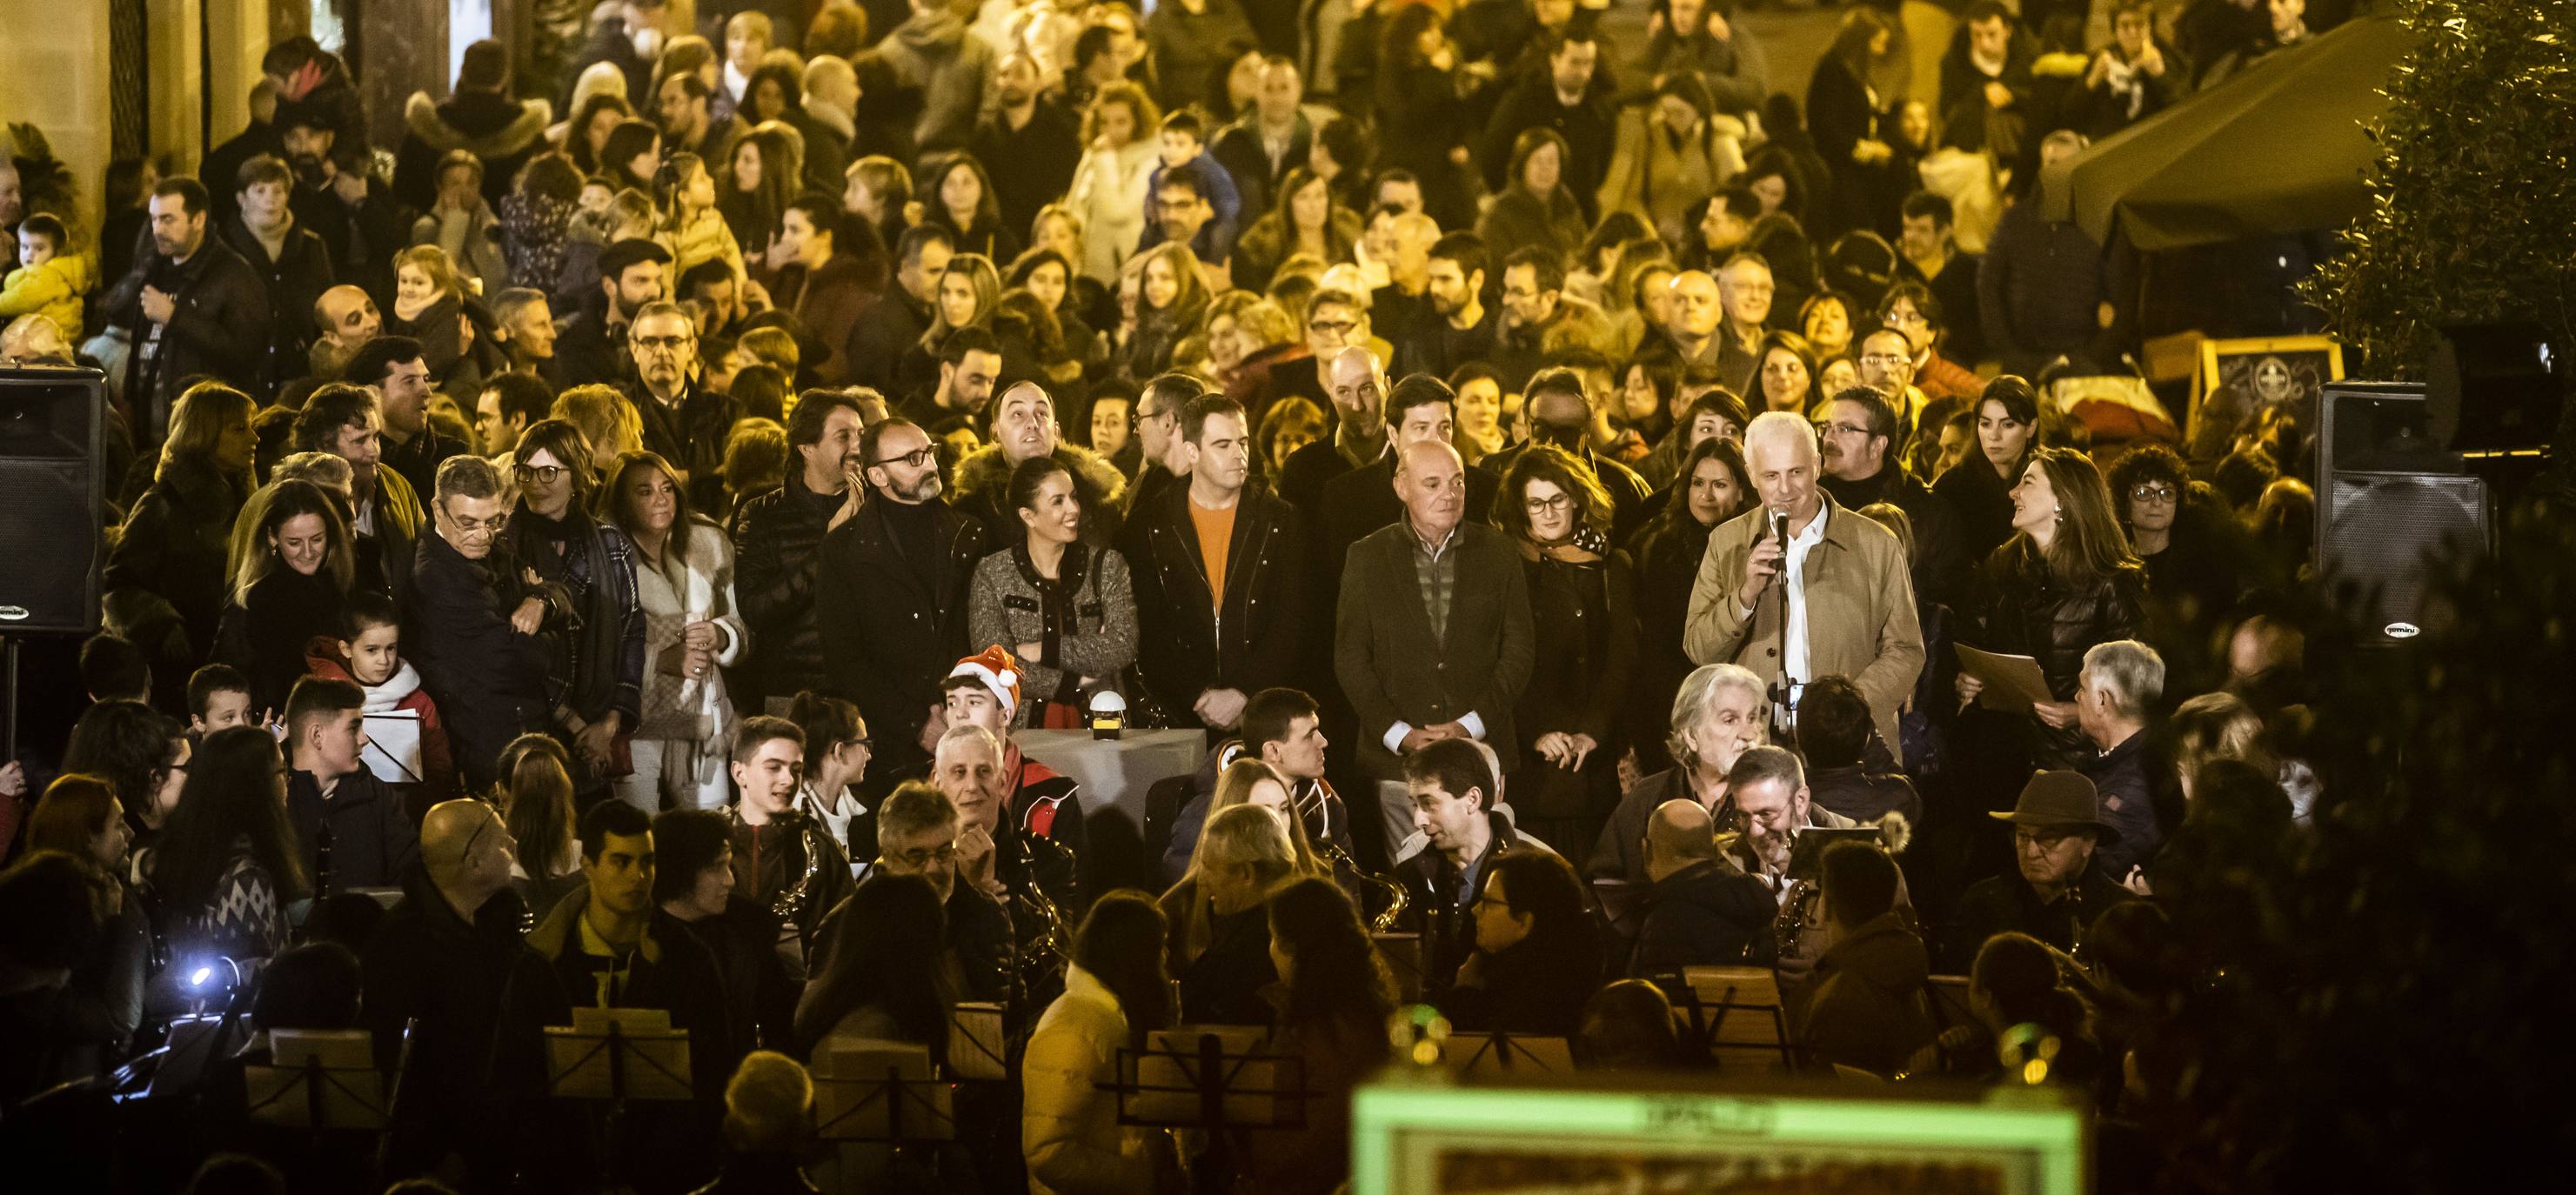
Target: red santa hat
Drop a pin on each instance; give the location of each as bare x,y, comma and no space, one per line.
994,669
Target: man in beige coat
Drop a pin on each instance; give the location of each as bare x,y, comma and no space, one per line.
1838,580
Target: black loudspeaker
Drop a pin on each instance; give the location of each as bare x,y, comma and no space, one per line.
51,547
2392,506
2496,387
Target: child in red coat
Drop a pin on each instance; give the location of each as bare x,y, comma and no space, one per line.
370,654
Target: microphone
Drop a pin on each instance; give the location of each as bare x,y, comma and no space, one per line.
1780,528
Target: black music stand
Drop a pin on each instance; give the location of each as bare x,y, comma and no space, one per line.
324,1081
614,1056
979,1045
882,1092
1508,1054
1209,1078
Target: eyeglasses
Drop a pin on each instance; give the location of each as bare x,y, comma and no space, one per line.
1831,428
541,474
663,344
1904,317
924,858
1541,506
1885,359
493,525
1337,327
915,458
2046,840
2153,492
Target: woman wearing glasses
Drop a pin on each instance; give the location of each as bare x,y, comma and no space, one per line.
2199,561
596,658
1583,611
693,630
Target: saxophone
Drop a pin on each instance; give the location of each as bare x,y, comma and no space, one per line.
1391,894
1039,927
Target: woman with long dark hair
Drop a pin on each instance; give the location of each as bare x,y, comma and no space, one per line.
536,805
1115,994
630,157
1307,219
78,816
1785,372
2064,582
1049,276
1980,488
1171,305
759,179
958,196
1536,206
1063,608
885,979
586,135
1843,116
1582,608
1538,953
1332,1018
1711,488
693,630
228,864
170,557
142,755
288,587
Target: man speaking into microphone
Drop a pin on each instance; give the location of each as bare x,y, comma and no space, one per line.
1800,588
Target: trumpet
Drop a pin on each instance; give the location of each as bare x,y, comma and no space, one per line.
1391,894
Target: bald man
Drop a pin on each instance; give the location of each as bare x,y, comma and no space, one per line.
1799,588
1358,384
449,957
1702,910
346,319
829,121
1432,637
1744,292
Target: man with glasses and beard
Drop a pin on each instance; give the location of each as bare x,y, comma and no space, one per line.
890,594
684,421
592,347
471,618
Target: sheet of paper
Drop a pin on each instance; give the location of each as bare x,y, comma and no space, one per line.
393,746
2013,683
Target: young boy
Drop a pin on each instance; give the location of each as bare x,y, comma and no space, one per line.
369,652
218,699
1184,150
49,280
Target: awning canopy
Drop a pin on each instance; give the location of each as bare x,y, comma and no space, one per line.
2277,149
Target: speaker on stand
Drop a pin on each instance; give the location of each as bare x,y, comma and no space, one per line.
2392,504
51,495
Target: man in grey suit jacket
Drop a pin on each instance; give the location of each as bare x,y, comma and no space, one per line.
1432,639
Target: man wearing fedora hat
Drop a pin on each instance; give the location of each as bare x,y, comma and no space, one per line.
2056,893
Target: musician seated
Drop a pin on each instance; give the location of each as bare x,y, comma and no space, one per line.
984,690
1457,836
1865,1009
917,829
1031,877
783,860
2056,891
1538,952
1718,713
1218,945
611,946
1843,774
1702,911
1282,728
1771,807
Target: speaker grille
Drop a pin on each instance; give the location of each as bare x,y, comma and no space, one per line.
2390,531
50,541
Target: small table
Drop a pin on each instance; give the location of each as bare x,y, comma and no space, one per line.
1114,773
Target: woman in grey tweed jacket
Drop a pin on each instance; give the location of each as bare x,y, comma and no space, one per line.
1063,609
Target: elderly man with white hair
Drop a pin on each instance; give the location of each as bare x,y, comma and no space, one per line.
2120,681
1719,712
1799,587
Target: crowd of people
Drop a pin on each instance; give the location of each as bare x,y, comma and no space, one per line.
606,548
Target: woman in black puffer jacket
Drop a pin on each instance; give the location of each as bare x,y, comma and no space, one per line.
2064,582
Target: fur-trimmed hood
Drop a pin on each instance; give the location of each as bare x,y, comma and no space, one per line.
983,483
481,123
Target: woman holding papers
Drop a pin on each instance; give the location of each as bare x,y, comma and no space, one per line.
2065,581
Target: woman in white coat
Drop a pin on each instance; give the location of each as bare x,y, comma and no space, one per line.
1120,135
1115,993
692,631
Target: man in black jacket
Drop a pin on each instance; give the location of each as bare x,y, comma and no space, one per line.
1420,410
1455,836
478,117
354,831
470,621
292,261
195,308
777,537
412,445
895,322
1702,910
356,216
1860,467
890,595
1569,97
1267,141
684,421
592,347
451,986
1214,566
1029,143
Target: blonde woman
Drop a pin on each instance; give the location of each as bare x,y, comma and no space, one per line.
1108,190
1218,948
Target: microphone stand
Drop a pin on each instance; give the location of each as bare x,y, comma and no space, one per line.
1782,695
